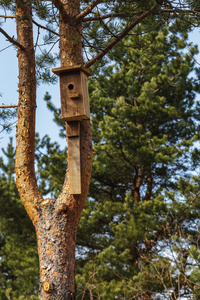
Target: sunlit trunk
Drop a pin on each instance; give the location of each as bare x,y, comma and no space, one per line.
55,220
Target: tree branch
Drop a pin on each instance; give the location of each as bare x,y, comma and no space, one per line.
120,37
114,15
46,28
10,39
7,17
179,10
88,10
8,106
62,11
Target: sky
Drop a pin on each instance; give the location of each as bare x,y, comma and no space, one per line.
9,86
9,82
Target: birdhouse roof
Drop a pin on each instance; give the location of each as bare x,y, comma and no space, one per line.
62,70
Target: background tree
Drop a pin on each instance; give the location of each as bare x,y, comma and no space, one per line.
7,119
138,219
18,251
138,234
56,220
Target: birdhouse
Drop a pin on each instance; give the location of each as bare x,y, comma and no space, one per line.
74,92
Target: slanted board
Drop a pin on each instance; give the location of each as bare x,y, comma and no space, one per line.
74,163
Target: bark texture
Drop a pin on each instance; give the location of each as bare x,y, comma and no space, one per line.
25,138
55,220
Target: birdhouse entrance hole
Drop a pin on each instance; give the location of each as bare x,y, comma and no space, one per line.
70,86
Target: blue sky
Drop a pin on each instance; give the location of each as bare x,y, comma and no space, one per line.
9,86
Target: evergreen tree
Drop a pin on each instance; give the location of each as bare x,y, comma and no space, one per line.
7,118
18,248
138,235
136,238
51,164
107,23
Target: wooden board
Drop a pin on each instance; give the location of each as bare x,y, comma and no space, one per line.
73,129
74,162
74,96
61,70
74,92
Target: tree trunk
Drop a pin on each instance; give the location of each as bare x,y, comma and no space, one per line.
55,220
57,229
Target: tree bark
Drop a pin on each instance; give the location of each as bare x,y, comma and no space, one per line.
55,220
25,138
137,182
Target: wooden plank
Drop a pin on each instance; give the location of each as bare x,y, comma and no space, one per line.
74,162
73,129
72,109
61,70
86,103
8,106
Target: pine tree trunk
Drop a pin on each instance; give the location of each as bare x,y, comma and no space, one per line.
55,220
56,232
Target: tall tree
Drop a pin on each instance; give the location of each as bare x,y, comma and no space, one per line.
136,239
56,220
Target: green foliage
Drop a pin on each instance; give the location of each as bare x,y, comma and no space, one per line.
52,164
139,232
145,110
45,61
138,235
57,115
18,246
139,225
7,118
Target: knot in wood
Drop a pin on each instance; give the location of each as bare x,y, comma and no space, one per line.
46,287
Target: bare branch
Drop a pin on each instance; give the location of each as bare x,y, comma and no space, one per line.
179,10
120,37
121,15
8,106
7,17
7,126
88,10
62,11
46,28
117,15
10,39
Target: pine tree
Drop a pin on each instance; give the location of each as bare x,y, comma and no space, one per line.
107,23
18,247
136,238
137,241
7,118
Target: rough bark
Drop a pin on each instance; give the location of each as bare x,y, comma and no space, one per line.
55,220
137,182
56,232
25,138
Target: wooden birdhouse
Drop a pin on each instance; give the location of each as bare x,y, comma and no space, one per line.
74,92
